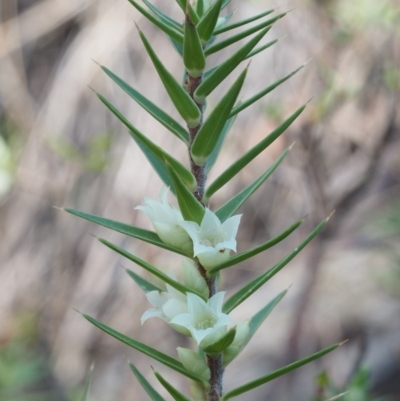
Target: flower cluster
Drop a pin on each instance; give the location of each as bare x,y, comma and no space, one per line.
211,243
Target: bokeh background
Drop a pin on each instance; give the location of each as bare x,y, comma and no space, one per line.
60,147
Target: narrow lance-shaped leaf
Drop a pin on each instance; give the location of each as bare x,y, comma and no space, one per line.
144,284
152,393
88,383
231,171
165,119
132,231
208,135
185,105
230,207
242,22
190,207
277,373
175,394
254,324
223,70
235,38
167,28
164,17
261,48
258,282
151,269
143,348
217,148
226,2
183,5
200,8
264,92
193,55
208,22
152,151
242,256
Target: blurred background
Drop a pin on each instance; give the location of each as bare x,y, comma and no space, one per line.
60,147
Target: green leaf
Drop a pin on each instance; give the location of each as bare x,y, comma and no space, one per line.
223,70
258,282
255,323
208,22
193,13
88,382
190,207
217,148
261,48
154,154
231,171
151,269
264,92
132,231
235,38
277,373
242,256
185,105
223,343
177,46
226,2
152,393
145,285
162,117
200,8
164,17
176,395
242,22
170,30
193,55
210,132
230,207
143,348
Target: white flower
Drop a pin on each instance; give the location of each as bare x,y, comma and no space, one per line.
204,320
213,240
167,221
166,304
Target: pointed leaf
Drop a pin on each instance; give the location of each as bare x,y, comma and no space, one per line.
185,105
88,382
152,393
135,232
164,118
258,282
170,30
242,22
164,17
193,55
242,256
176,395
255,323
208,22
235,38
217,148
209,134
223,343
154,154
200,8
261,48
277,373
265,91
223,70
177,46
231,171
143,348
193,13
151,269
145,285
226,2
191,208
230,207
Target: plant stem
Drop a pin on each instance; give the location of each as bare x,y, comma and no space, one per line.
215,364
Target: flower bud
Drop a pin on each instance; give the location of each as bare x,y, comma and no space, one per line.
194,363
193,279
